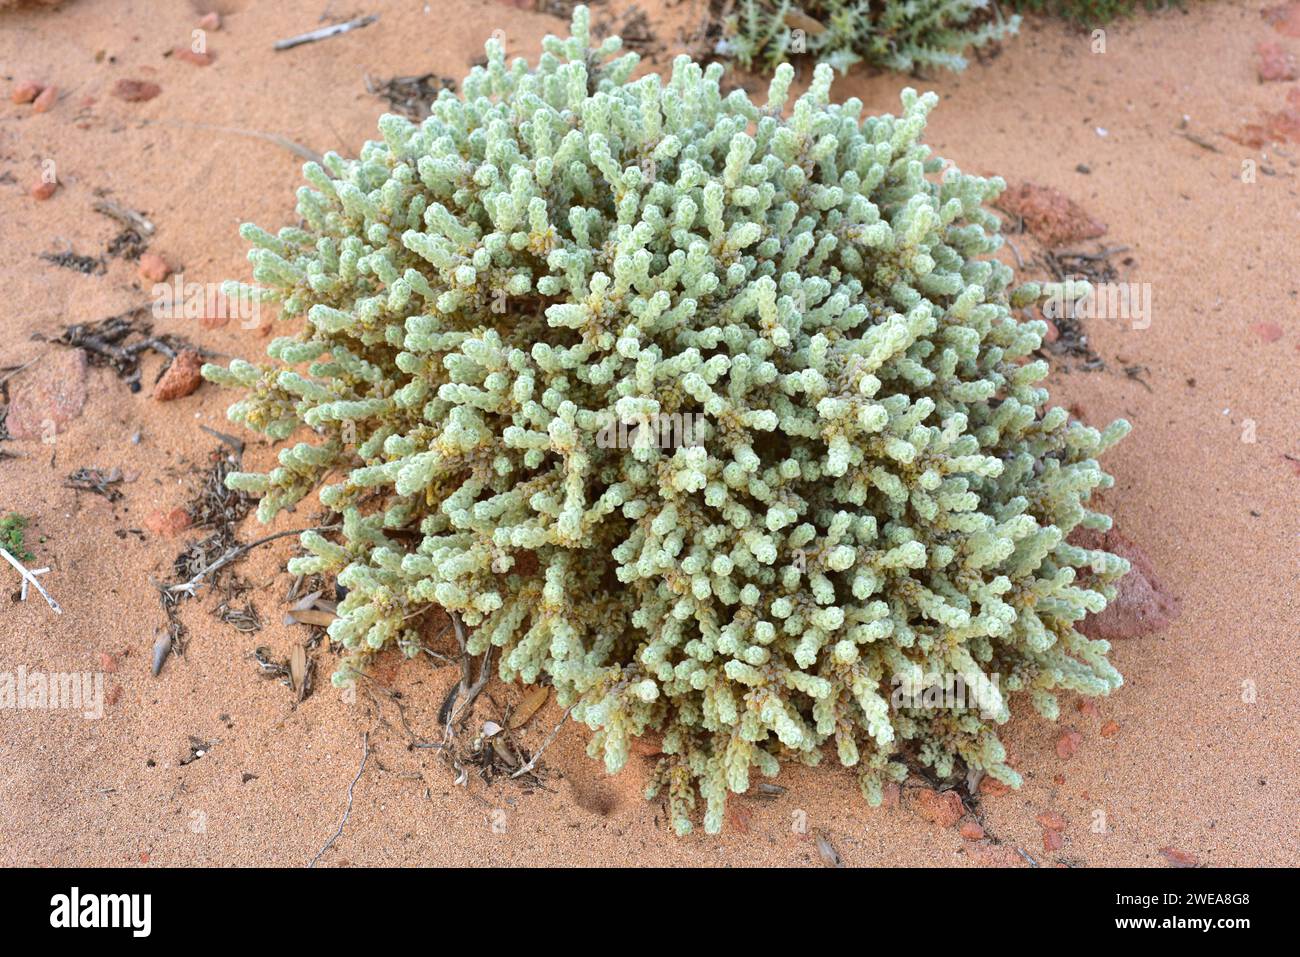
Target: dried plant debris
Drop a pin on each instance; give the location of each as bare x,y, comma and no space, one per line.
633,26
198,749
216,506
313,610
270,667
493,753
712,38
130,218
163,643
89,265
411,96
1095,267
301,669
528,706
133,238
561,8
242,617
100,481
217,509
830,857
297,672
127,244
120,340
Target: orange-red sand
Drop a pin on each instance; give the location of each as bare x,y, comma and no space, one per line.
1189,758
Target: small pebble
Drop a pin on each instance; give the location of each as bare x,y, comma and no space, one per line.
26,91
136,91
182,377
153,268
1051,821
1067,744
45,102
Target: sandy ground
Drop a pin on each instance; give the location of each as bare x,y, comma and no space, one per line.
1198,764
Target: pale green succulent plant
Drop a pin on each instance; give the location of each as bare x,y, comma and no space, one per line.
877,496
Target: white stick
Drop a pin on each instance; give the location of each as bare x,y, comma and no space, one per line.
325,32
28,576
35,571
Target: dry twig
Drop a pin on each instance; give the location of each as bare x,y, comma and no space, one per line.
365,754
324,33
31,579
545,744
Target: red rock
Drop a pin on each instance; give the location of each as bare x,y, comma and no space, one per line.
1142,604
1268,331
190,56
168,523
48,396
136,91
738,817
1177,858
1052,841
1087,707
44,189
944,809
181,378
210,21
1275,64
1053,218
1051,821
107,662
26,91
971,831
45,102
1109,729
990,787
153,268
1284,18
1067,744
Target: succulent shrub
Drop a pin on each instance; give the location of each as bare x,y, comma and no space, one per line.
894,34
874,497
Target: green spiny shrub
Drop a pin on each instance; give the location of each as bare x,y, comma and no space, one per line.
875,496
1090,13
897,34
